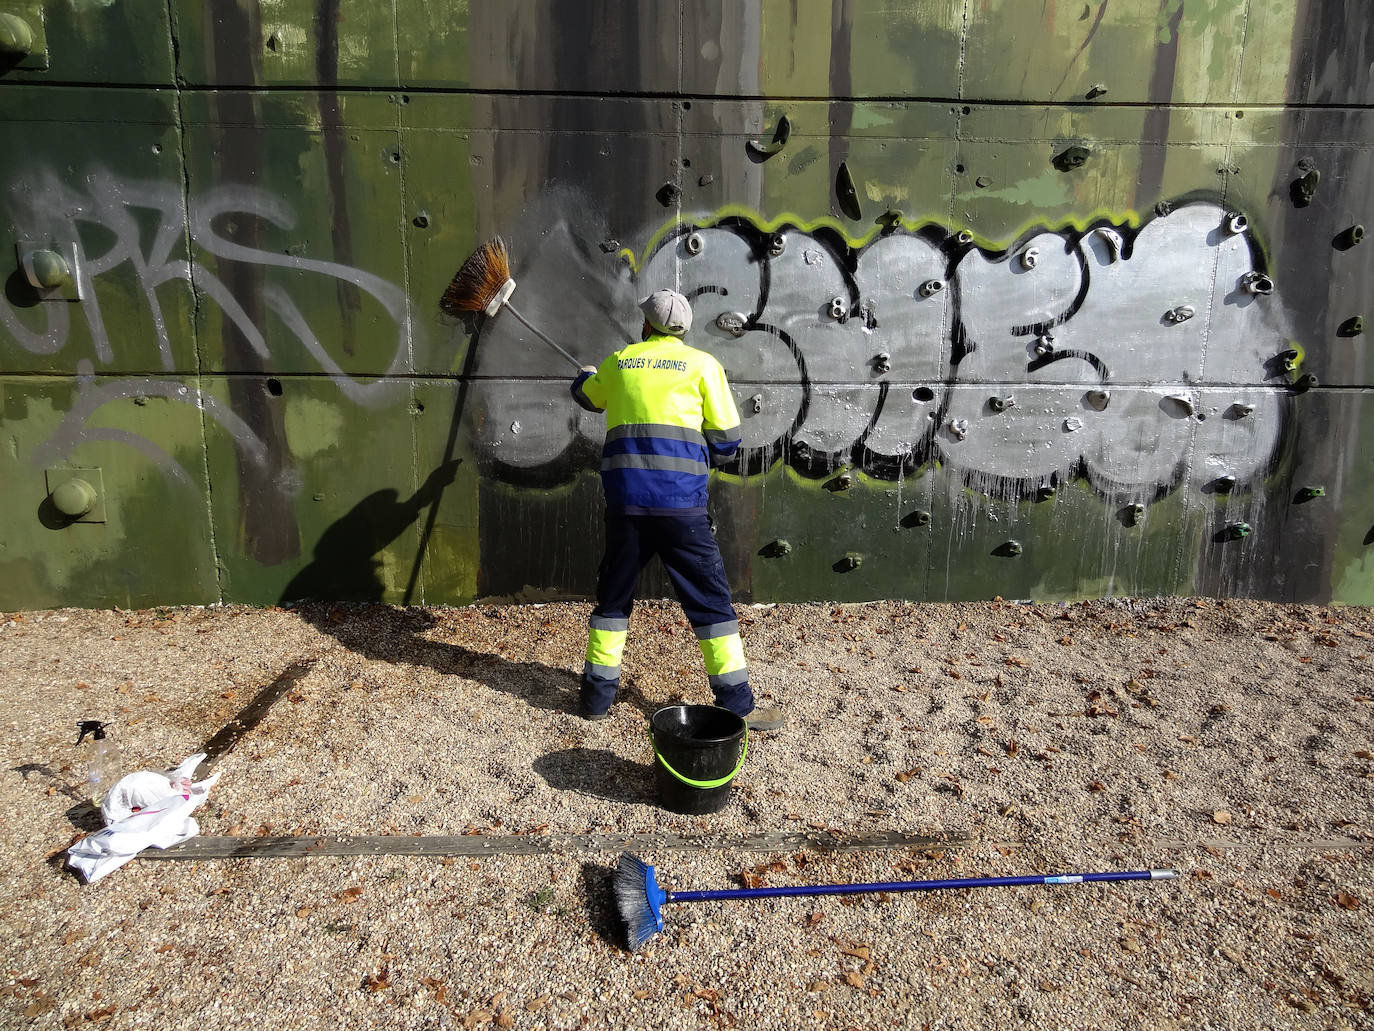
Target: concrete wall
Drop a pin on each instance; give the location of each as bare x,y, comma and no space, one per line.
1033,300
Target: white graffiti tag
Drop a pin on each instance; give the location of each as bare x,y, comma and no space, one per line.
104,221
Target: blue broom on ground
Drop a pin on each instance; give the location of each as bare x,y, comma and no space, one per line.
641,900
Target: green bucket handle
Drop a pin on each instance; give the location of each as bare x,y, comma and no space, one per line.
702,784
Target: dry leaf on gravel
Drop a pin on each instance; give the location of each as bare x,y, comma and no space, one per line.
40,1004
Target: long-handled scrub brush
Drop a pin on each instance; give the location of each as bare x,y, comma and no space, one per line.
641,900
484,284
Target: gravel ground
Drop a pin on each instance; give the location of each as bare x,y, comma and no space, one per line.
1231,740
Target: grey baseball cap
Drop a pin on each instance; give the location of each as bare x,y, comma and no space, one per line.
668,312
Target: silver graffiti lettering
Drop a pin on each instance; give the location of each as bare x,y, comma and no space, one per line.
1079,323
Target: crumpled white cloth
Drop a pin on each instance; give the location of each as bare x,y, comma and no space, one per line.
143,810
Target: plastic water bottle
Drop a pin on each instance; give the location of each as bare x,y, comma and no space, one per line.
102,759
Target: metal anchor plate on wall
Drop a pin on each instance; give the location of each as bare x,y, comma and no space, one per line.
53,270
23,37
77,494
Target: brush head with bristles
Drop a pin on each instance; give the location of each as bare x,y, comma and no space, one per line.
639,899
480,281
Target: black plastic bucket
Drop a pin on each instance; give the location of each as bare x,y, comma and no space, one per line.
698,749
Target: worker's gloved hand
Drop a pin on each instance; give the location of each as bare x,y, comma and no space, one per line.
589,369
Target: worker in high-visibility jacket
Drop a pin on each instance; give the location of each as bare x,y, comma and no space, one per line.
669,418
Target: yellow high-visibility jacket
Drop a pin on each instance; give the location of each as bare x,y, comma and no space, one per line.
669,417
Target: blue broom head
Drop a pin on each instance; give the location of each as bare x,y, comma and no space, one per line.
639,899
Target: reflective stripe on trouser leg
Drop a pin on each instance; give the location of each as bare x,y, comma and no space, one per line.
725,667
601,672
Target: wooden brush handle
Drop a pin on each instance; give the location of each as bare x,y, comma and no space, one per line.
540,334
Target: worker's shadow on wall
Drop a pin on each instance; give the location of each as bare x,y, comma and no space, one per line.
345,572
345,566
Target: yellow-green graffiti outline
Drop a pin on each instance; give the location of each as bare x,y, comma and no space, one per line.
786,218
861,478
1101,217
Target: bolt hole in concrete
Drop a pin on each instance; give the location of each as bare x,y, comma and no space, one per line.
686,105
421,222
967,110
274,387
923,394
959,169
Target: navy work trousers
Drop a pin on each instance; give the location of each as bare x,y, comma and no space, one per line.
691,556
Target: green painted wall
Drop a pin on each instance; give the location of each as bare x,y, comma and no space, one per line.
260,205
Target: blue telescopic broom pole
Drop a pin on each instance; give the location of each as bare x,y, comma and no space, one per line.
966,882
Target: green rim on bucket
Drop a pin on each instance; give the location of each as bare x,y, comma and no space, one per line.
703,784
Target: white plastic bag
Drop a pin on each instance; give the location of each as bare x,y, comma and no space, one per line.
139,790
143,810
